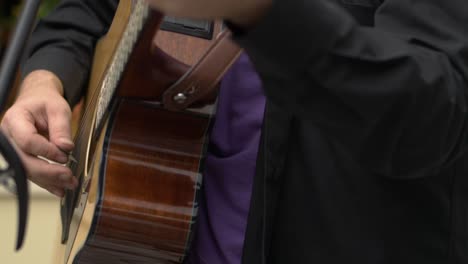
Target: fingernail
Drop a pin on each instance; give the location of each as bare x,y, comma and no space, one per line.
65,179
70,187
72,184
66,141
62,158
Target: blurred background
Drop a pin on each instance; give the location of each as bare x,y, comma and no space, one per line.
42,234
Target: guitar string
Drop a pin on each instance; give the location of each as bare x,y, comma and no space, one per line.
109,84
112,77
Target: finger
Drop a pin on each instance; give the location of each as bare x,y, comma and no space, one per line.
25,137
49,175
59,121
56,191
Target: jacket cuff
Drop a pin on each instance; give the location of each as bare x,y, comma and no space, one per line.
294,32
53,60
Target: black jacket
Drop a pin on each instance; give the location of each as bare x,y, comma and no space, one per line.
363,156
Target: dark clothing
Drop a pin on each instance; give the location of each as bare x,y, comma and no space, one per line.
229,167
363,156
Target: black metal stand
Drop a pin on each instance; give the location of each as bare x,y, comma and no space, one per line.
12,171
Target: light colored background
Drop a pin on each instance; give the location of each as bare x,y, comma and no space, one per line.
42,229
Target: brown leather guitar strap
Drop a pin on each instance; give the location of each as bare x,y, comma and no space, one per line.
203,78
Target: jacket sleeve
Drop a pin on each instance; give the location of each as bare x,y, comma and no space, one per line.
64,41
393,95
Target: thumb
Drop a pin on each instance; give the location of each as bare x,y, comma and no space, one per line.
59,123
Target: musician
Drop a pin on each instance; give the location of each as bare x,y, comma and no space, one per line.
361,150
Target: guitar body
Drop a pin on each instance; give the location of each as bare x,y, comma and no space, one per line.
140,168
149,177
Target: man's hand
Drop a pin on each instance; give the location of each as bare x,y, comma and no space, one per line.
38,124
244,13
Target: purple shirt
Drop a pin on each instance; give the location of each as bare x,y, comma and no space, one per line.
230,167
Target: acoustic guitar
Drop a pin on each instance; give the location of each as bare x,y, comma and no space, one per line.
138,163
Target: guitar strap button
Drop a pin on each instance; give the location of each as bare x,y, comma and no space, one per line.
180,98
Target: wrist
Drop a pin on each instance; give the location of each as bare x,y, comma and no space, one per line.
252,15
41,80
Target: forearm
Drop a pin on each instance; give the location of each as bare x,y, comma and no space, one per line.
63,42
